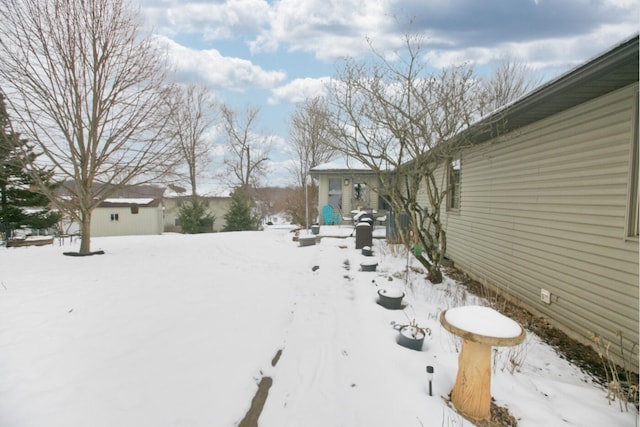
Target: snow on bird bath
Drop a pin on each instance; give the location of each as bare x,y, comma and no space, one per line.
483,321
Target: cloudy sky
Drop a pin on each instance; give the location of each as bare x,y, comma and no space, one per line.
273,54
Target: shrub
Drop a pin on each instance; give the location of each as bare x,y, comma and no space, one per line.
194,218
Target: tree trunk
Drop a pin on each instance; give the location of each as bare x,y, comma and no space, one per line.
435,275
85,234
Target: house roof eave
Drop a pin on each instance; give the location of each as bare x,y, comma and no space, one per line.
609,71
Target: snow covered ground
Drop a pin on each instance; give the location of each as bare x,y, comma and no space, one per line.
177,330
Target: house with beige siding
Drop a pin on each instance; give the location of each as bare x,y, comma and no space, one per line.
216,206
347,186
548,211
127,216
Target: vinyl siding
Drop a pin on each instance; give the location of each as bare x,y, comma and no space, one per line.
546,207
148,220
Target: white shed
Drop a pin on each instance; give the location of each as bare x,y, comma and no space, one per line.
127,216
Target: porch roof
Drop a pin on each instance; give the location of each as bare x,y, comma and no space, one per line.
340,165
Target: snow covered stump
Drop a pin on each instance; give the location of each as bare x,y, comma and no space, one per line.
480,328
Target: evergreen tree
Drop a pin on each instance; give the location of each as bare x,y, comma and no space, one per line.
194,218
20,202
240,216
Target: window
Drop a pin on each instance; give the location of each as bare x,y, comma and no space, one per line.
335,192
633,200
134,209
115,217
176,222
453,181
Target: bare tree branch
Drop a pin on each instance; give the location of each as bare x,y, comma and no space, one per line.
509,82
88,89
397,119
193,114
309,136
248,151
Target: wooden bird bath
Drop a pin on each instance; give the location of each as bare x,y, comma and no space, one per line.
480,328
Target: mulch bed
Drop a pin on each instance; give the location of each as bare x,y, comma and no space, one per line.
570,349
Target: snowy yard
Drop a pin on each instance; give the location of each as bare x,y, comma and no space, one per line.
177,330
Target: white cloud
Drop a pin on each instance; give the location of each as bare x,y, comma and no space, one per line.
299,90
544,54
217,70
328,29
333,29
213,20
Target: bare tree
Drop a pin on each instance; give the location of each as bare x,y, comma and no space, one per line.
88,89
309,139
510,81
396,119
248,151
193,114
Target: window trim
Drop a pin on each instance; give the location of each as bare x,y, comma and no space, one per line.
453,189
337,190
633,199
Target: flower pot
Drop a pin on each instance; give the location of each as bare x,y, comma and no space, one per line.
390,298
368,266
366,251
411,337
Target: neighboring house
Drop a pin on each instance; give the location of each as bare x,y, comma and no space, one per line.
127,216
216,206
144,198
347,186
548,212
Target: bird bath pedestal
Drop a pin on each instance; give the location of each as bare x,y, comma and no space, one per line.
480,328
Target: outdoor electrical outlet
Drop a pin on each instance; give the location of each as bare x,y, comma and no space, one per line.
545,296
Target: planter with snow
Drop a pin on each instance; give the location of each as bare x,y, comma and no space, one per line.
366,251
307,240
411,336
368,266
390,298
